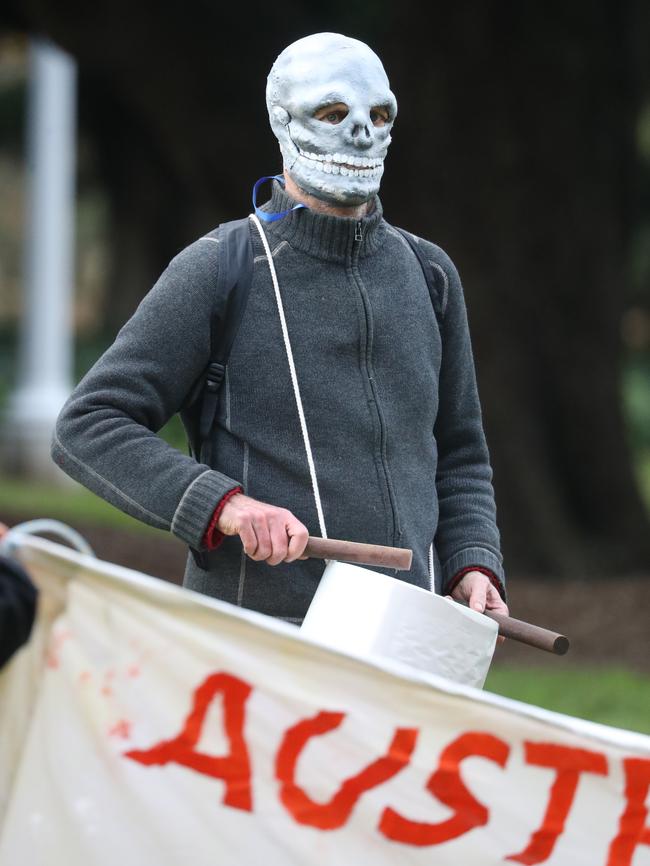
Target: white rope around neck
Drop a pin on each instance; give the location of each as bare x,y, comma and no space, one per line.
294,377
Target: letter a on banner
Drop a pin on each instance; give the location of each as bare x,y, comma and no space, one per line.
234,768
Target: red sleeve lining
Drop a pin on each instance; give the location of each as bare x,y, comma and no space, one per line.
213,537
494,580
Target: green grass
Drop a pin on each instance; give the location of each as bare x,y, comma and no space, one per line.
610,696
73,504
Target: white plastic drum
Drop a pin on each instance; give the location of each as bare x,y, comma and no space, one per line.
367,613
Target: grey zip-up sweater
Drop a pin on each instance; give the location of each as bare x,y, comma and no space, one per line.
390,401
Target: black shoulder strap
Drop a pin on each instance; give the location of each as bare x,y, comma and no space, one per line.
434,276
234,279
233,287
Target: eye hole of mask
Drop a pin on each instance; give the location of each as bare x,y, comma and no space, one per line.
332,113
380,115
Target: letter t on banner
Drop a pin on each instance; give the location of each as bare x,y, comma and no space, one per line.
569,763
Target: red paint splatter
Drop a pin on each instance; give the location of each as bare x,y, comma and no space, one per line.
107,691
133,671
56,642
85,676
121,729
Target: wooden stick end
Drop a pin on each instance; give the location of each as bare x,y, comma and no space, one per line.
561,645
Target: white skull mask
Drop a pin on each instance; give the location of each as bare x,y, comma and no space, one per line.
331,109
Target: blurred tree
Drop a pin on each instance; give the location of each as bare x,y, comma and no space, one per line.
514,150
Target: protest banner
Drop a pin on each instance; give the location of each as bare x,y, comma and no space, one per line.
144,724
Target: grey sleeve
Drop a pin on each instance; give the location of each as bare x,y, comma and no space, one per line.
105,436
467,533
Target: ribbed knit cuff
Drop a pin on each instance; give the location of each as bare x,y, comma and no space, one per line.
479,557
195,510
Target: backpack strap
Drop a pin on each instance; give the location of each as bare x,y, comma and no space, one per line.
234,279
434,275
233,287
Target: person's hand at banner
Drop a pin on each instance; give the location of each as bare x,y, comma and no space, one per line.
268,533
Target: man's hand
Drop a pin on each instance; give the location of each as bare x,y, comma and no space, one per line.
269,534
476,590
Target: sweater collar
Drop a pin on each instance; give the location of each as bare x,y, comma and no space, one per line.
323,236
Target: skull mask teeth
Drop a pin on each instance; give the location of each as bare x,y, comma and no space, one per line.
336,156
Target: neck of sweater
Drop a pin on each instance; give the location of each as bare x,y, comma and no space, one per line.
324,236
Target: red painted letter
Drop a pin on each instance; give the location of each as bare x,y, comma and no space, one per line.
632,829
569,763
234,768
334,813
446,784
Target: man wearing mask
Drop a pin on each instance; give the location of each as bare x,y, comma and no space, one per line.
349,403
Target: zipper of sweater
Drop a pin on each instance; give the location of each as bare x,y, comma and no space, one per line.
355,253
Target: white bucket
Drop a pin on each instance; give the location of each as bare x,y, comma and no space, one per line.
367,613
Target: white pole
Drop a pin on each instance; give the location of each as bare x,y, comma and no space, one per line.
45,362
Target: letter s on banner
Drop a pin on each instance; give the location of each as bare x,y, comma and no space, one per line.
446,785
334,813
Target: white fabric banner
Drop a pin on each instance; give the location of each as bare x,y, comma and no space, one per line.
144,724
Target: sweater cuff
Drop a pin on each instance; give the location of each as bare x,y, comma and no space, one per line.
473,559
213,536
196,508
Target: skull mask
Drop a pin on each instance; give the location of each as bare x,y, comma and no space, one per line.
331,109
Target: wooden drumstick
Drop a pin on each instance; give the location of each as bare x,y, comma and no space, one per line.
533,635
361,554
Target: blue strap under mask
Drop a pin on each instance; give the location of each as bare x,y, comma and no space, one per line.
271,217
